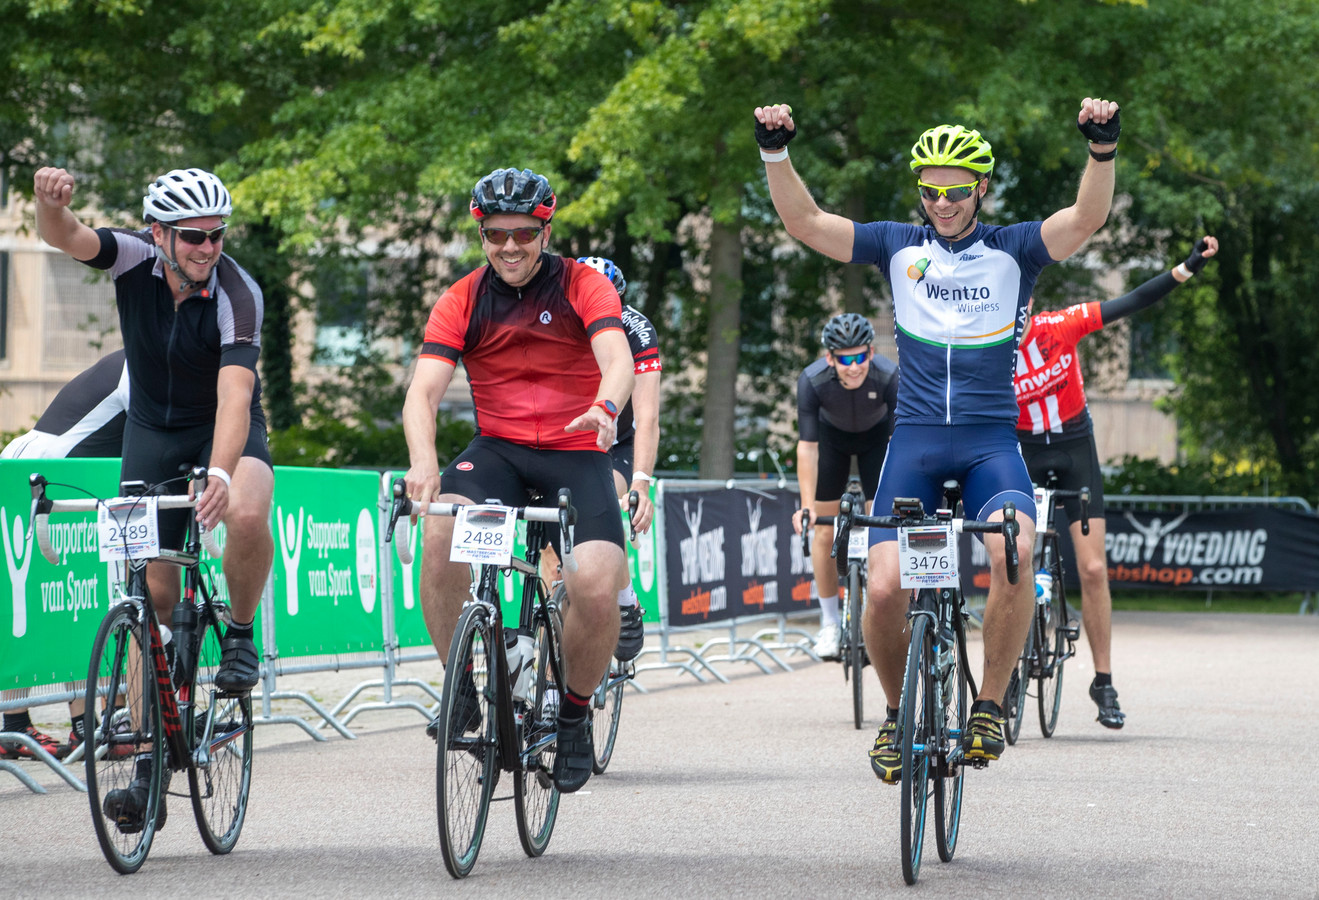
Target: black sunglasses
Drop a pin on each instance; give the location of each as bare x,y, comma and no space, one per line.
197,236
499,236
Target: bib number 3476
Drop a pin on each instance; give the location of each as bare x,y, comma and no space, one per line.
927,556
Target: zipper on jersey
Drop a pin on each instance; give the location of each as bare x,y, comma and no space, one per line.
169,367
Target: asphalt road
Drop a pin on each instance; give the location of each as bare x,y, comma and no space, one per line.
761,788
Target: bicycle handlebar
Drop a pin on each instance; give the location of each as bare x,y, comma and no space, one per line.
402,510
1083,495
43,506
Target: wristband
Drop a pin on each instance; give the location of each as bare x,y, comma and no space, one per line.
220,474
1186,273
1102,157
780,156
641,476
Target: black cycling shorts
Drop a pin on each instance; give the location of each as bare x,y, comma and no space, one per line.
621,455
156,455
1076,463
499,471
836,451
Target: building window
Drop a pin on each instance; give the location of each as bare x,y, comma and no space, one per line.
80,322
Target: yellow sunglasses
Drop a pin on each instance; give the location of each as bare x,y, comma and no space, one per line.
953,192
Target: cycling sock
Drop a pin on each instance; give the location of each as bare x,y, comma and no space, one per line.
627,597
144,766
890,712
1103,679
76,723
574,707
829,610
988,706
17,721
237,630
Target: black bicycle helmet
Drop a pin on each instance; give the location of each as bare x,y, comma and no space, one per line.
847,330
513,191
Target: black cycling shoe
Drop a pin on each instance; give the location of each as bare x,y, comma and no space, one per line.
468,712
127,808
240,667
631,633
574,754
1110,714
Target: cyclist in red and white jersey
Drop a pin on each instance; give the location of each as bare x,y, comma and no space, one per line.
542,341
1057,435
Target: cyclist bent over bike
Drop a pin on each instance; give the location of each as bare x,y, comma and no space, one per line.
542,340
960,290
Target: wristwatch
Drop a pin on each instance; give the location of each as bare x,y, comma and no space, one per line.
608,406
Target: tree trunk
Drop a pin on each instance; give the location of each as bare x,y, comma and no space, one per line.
261,257
717,440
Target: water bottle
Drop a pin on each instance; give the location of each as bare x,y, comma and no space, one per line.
518,651
1043,587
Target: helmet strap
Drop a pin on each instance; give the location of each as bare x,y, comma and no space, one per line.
168,258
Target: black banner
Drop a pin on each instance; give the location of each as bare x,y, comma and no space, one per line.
1248,549
732,552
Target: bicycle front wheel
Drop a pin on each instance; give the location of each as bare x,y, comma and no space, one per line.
607,709
1014,702
121,679
1051,621
948,778
466,740
220,735
915,719
856,649
535,798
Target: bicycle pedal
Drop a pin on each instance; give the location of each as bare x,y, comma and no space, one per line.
1071,631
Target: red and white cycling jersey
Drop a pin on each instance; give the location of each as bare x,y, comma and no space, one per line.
1050,389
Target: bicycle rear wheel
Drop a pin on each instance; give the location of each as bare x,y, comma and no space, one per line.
1014,701
856,645
915,723
130,726
1051,620
220,770
535,798
465,756
948,779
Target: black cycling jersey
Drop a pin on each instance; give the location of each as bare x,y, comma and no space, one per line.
175,354
822,398
86,418
644,343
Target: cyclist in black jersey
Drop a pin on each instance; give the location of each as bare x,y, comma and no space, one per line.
191,322
845,403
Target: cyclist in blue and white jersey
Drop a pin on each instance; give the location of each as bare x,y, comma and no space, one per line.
960,290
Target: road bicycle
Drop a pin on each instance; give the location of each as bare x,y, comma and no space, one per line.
151,691
1051,639
937,685
500,704
851,643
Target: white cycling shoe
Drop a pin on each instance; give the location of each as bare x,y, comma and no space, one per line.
826,642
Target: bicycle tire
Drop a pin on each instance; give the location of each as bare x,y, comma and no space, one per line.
948,781
915,724
1014,701
118,735
219,774
1051,618
535,798
856,650
607,709
465,763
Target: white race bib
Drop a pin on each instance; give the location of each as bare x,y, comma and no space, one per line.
483,534
858,543
126,529
927,555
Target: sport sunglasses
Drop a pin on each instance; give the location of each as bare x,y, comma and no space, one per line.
197,236
953,192
853,359
499,236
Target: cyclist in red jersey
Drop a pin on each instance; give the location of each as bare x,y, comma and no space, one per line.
1057,435
541,337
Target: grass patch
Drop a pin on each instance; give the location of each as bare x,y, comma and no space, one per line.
1219,601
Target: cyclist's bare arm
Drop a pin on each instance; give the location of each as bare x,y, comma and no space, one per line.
233,421
808,469
1066,230
645,443
828,233
56,223
614,357
429,382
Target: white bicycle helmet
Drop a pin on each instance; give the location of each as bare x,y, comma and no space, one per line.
186,194
606,268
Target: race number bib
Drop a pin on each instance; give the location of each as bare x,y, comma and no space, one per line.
126,529
858,543
927,556
483,534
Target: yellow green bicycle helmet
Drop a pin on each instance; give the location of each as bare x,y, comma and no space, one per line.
952,145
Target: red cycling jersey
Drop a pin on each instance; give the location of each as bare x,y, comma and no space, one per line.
1048,382
528,350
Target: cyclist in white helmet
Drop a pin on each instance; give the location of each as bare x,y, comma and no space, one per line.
191,323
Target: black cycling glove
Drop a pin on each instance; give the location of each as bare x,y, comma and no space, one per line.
1105,133
773,140
1196,261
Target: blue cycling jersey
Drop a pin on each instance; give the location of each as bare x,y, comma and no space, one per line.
959,310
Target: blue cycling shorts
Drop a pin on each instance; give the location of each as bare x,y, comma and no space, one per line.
985,458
